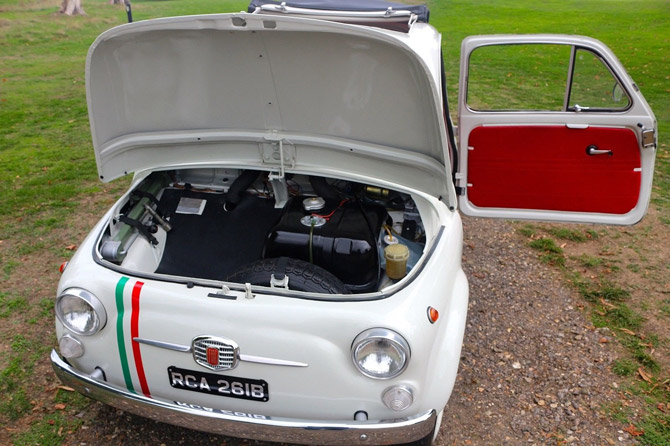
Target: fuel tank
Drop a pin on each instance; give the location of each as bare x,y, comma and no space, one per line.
341,237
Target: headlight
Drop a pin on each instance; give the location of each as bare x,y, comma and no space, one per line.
80,311
380,353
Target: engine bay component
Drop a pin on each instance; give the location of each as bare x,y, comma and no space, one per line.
131,219
315,221
344,244
237,189
212,223
396,256
157,218
313,204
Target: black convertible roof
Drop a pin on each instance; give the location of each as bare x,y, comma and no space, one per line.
421,11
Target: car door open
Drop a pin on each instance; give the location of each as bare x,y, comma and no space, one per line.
552,127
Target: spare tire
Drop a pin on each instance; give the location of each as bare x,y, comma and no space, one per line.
302,276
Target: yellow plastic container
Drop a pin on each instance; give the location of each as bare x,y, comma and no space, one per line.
396,260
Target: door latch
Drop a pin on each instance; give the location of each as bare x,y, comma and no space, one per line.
594,150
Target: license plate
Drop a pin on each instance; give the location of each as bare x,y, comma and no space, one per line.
222,385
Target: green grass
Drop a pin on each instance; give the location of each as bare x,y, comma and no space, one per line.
49,430
546,245
624,367
665,307
656,430
619,316
574,235
607,291
527,230
52,428
588,261
11,304
551,252
12,380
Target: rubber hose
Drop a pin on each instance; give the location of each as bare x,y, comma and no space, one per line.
323,189
239,186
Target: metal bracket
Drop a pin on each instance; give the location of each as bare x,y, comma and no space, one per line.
648,138
276,283
412,20
279,189
223,293
283,153
158,219
277,150
247,291
142,228
111,250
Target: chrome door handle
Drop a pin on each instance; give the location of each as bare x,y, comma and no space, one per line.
594,150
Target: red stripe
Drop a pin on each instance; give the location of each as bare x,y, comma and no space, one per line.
134,333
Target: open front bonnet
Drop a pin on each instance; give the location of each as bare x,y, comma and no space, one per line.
227,89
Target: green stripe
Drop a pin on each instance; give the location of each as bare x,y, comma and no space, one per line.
119,333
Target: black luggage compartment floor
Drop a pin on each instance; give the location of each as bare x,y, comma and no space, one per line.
217,243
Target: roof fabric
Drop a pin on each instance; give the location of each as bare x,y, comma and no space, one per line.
347,5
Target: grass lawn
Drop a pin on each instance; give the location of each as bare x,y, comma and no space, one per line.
50,195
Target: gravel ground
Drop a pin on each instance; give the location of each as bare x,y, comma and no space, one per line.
533,369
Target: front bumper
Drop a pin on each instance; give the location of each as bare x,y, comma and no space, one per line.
258,427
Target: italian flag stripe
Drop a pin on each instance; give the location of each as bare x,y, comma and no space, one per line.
134,333
120,286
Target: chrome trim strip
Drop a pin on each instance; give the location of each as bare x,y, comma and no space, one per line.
165,345
245,358
271,361
259,427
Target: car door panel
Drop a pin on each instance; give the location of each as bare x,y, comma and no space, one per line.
524,163
547,167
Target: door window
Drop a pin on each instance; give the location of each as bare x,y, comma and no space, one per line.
594,86
541,77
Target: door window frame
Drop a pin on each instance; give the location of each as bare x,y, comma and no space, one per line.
574,48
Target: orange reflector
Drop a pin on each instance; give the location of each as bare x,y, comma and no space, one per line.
63,266
433,314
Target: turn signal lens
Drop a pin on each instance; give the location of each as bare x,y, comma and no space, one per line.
433,315
70,347
398,398
62,266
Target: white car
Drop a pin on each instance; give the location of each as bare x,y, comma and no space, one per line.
286,264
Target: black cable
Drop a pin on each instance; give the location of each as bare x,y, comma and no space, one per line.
372,232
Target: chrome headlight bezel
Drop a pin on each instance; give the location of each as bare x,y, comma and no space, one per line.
381,336
88,299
